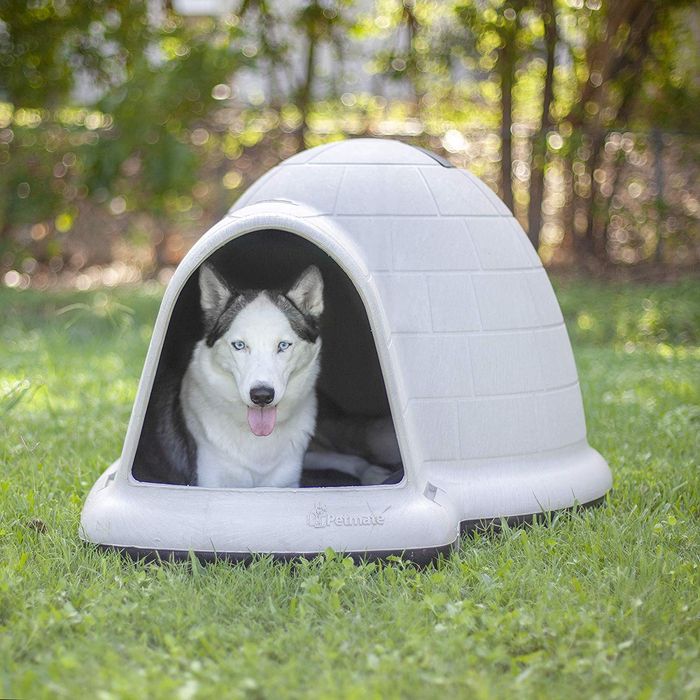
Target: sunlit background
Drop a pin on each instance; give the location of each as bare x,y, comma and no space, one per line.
128,128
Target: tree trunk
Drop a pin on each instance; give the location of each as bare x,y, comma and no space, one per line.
595,225
659,186
305,91
578,201
506,63
539,142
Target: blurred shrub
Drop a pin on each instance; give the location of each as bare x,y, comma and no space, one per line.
151,79
658,315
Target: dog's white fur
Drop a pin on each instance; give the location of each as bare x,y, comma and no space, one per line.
215,392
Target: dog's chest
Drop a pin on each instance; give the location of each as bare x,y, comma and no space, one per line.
247,466
230,456
236,458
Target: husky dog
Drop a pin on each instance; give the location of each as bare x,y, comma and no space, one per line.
237,407
248,395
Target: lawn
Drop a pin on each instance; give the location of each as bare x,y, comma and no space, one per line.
601,604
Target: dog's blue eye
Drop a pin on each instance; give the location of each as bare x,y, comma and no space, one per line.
283,346
238,344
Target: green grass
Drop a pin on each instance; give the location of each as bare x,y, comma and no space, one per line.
601,604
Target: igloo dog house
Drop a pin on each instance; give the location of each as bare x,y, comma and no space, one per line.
440,294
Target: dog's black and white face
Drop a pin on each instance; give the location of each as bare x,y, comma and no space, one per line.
264,340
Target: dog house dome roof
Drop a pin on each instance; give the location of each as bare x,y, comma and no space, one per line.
486,371
390,178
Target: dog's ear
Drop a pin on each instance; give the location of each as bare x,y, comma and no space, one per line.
213,291
307,292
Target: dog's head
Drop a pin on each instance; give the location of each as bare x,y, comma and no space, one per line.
264,339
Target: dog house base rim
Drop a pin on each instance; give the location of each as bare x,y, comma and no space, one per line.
416,555
123,514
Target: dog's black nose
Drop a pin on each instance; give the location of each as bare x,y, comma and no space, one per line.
262,395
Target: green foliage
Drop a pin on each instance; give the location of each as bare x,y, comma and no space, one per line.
48,46
154,85
602,603
673,95
133,111
166,95
31,192
651,317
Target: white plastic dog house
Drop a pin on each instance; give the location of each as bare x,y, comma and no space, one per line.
479,373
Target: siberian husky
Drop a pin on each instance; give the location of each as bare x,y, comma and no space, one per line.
248,395
242,409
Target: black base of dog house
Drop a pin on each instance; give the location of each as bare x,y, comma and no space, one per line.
420,555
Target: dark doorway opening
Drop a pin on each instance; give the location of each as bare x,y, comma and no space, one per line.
354,417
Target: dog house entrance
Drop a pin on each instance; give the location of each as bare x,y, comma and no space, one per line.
355,441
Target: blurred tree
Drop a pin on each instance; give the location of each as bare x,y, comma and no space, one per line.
319,22
493,28
166,93
152,77
609,70
49,50
131,110
669,99
539,139
404,58
266,27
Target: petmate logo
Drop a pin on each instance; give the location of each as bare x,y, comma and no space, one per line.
320,517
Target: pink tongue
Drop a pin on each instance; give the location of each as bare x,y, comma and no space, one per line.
262,420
